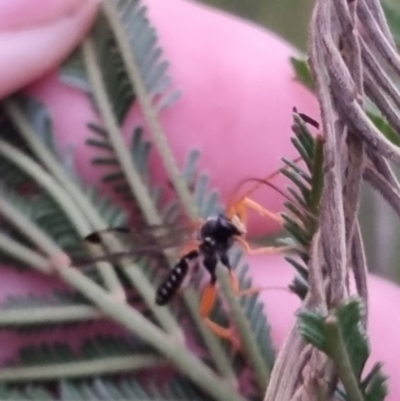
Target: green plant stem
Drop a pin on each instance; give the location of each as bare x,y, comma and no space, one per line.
338,352
47,314
174,351
28,229
82,220
23,254
248,340
78,369
134,321
134,75
143,197
48,183
78,217
50,161
139,190
146,288
120,148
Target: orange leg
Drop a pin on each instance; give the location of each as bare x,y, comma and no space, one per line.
249,203
259,251
207,303
236,289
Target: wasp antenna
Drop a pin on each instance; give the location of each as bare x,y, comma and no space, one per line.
259,182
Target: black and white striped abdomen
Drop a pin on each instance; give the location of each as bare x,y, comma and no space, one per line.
175,278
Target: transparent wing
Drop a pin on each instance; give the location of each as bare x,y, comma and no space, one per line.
136,242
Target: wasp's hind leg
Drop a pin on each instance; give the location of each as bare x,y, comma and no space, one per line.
235,284
209,297
207,303
261,250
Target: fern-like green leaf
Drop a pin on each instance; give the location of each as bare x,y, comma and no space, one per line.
303,73
40,120
117,84
129,389
374,385
313,326
144,45
255,313
46,214
37,392
301,221
104,355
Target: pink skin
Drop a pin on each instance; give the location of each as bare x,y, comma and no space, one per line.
235,107
238,91
35,36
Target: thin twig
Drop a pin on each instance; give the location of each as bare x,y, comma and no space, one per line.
376,10
383,167
360,270
47,315
381,100
78,369
384,188
24,254
379,75
381,42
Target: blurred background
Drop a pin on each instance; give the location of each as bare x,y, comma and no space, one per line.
290,19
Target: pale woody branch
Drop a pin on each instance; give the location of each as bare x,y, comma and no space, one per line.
347,38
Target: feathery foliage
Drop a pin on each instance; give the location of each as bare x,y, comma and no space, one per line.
342,337
104,357
301,218
47,212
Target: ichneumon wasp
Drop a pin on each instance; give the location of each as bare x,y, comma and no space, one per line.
210,245
210,241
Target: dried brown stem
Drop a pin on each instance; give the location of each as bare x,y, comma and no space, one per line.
382,166
349,41
390,194
379,75
382,43
359,265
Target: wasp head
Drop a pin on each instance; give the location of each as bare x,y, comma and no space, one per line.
222,230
